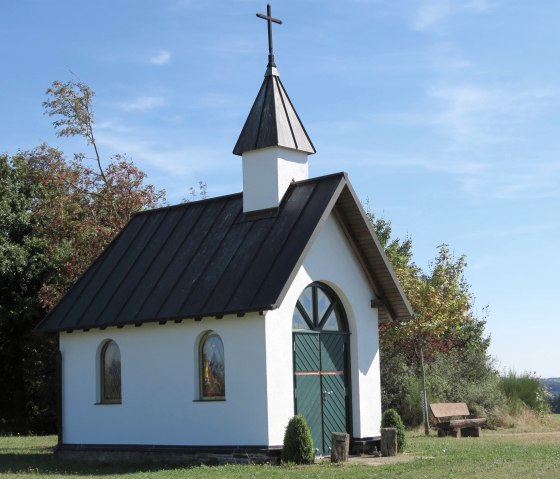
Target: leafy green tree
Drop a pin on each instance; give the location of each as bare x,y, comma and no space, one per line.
26,362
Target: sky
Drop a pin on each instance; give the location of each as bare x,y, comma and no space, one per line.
444,113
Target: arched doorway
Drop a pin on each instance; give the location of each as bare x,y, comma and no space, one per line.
321,364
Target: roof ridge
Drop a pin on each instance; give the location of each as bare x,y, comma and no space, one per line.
186,204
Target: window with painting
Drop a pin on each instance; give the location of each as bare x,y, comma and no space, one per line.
110,377
212,367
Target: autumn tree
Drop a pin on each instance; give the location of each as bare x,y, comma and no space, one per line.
99,200
444,316
56,216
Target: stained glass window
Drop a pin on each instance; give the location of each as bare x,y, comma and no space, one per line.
212,367
110,373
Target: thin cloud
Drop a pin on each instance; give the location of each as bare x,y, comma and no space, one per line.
432,14
160,58
463,106
474,114
142,103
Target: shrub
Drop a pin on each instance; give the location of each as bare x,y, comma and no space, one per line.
469,377
298,443
391,418
524,390
400,387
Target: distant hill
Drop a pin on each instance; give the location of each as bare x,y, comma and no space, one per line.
552,384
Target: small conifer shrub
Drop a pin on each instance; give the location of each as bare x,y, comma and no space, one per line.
391,418
298,443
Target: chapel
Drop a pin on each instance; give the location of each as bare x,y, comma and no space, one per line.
205,326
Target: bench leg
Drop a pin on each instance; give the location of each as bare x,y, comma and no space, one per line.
456,432
470,432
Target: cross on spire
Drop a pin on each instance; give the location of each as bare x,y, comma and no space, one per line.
269,18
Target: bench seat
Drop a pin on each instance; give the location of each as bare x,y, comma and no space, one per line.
454,419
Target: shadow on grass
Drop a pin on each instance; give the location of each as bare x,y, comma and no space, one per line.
46,464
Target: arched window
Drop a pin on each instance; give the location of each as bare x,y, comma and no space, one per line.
212,367
318,308
110,373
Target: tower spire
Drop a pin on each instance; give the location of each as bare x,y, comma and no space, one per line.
273,143
269,19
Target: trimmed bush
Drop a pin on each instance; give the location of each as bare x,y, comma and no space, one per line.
391,418
298,443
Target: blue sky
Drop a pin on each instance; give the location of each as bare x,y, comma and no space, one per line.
444,113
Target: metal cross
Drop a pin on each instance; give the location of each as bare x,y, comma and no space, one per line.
269,18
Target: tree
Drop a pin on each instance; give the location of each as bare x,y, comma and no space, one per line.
99,201
440,298
56,216
27,402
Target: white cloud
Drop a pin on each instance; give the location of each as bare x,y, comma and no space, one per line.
160,58
142,103
431,14
477,114
463,105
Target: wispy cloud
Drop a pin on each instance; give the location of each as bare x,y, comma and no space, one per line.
462,106
172,165
142,103
431,14
160,58
474,113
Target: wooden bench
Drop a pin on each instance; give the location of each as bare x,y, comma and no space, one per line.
455,419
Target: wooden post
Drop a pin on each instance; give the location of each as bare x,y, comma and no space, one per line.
388,441
340,447
424,393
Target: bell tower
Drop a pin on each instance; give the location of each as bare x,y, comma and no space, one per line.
273,143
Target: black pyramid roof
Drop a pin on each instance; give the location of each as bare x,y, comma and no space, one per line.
273,120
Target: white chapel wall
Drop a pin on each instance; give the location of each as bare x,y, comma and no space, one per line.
331,261
160,385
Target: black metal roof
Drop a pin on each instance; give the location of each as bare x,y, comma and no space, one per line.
208,258
273,120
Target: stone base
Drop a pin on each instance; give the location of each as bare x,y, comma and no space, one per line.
177,455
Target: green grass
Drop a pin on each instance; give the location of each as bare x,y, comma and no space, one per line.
496,455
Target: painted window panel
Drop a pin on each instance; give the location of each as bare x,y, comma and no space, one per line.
212,367
111,373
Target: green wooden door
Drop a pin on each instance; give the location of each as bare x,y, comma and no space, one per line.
321,381
308,383
333,388
320,384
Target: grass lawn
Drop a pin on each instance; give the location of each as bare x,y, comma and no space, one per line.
508,454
